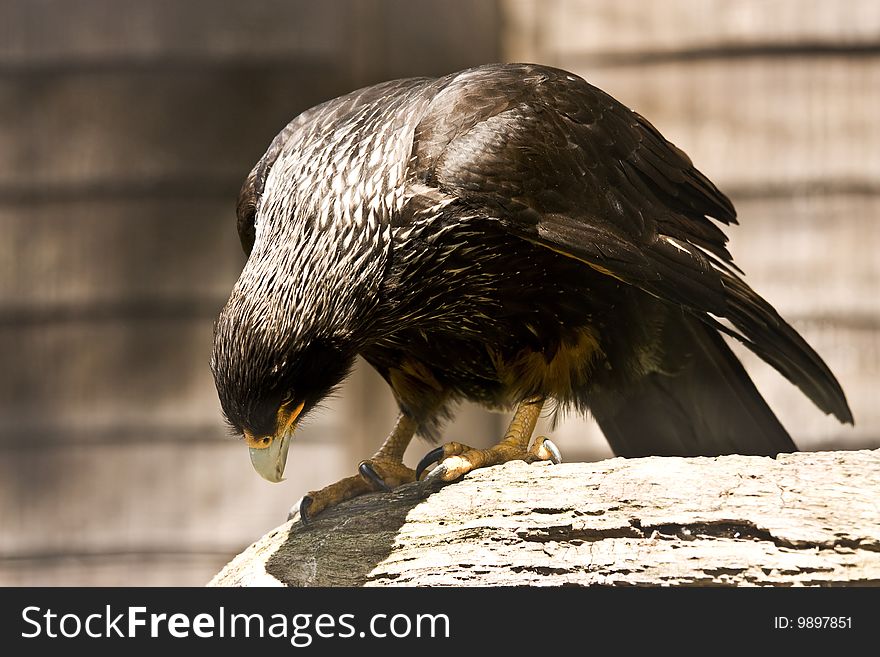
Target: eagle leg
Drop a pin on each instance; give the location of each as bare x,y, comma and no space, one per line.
457,459
381,472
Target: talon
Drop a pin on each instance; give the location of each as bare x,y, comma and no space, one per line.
544,449
555,455
431,457
436,474
304,505
367,472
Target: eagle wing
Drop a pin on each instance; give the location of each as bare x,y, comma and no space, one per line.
362,107
560,163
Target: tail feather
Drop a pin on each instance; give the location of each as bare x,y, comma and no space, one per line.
771,338
705,406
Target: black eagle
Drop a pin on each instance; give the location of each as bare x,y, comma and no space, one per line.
509,235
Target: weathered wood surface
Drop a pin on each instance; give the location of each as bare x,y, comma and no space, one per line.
800,519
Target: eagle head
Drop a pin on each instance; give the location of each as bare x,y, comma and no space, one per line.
305,301
268,378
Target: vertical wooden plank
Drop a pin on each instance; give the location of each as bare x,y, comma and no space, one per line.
610,30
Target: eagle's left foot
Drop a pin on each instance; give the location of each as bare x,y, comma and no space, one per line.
456,459
385,474
375,475
380,473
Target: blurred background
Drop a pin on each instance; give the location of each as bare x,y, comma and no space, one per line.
127,127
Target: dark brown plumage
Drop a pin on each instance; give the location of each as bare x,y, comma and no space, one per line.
504,233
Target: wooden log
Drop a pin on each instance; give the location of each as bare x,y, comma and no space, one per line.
799,519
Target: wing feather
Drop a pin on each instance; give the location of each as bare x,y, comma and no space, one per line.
560,163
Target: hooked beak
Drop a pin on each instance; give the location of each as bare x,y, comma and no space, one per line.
269,461
269,453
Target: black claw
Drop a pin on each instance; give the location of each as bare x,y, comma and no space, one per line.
367,472
431,457
304,505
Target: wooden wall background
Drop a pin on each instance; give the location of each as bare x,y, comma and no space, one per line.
125,131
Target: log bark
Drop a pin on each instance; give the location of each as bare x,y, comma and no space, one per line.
798,519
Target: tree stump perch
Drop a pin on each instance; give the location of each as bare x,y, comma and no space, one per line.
798,519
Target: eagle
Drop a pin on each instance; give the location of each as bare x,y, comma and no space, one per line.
508,235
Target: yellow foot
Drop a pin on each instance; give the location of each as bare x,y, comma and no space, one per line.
374,475
455,459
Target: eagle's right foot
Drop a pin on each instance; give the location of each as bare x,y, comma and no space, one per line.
456,459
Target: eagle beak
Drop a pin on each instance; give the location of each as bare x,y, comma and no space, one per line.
269,453
269,461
